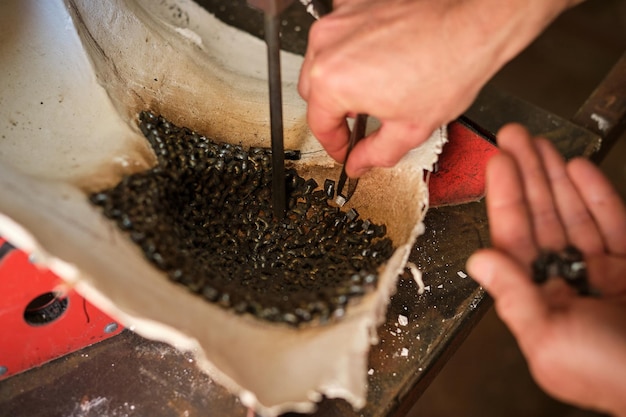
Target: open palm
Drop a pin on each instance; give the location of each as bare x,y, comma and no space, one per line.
575,346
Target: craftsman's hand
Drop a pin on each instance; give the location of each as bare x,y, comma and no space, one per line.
575,346
412,64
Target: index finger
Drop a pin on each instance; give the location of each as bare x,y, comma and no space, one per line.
509,216
545,221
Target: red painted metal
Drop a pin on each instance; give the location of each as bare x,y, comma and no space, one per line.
460,176
23,345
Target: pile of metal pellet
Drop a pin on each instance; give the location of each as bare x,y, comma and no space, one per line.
203,214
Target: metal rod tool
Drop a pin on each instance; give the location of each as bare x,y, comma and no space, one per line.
358,132
272,10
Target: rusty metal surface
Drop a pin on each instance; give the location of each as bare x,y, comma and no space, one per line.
494,108
604,112
121,377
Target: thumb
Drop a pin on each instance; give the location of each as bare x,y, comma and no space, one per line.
518,300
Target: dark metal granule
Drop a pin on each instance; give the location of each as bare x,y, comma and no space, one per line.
203,214
568,264
546,265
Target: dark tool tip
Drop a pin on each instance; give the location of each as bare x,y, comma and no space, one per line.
358,132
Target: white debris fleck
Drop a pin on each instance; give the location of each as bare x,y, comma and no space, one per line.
419,337
427,288
371,371
440,286
310,8
603,124
96,406
417,277
461,274
404,352
403,320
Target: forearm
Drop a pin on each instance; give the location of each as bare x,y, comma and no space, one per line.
502,29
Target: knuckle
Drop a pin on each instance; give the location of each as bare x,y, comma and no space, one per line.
316,33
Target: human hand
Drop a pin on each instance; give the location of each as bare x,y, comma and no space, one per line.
412,64
575,346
